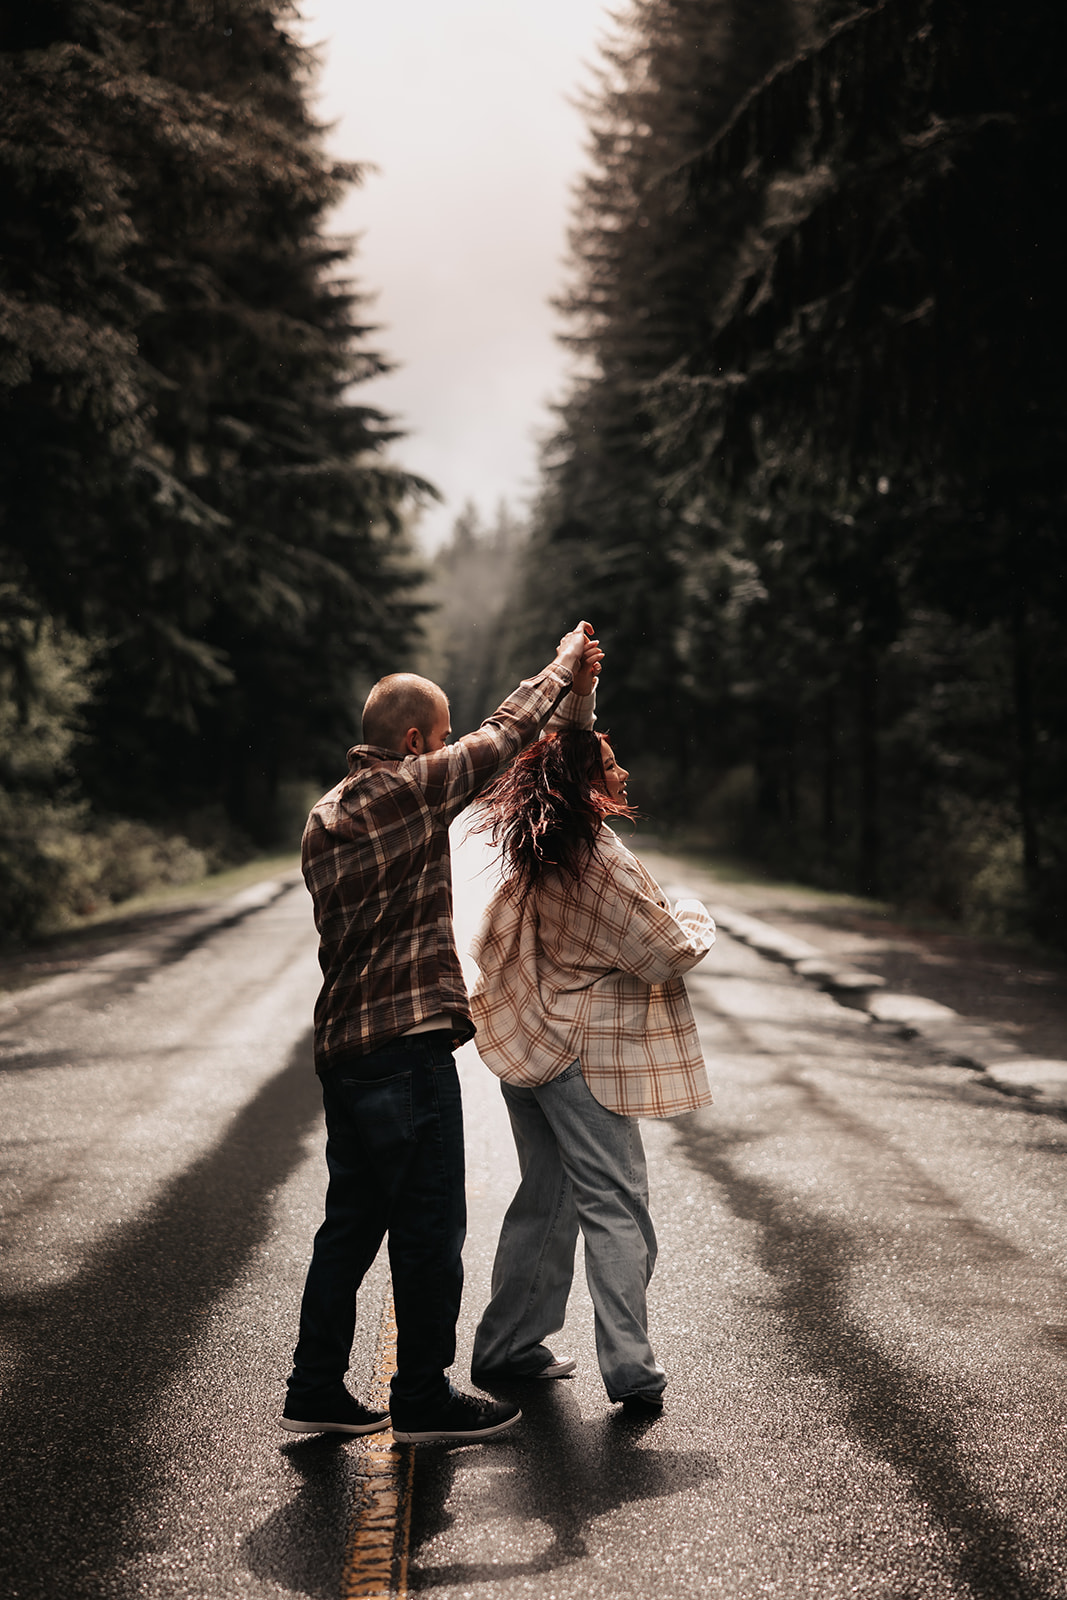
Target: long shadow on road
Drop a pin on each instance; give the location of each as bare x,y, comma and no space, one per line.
85,1362
890,1411
560,1474
299,1547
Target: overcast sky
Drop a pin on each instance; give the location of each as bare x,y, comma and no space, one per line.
463,107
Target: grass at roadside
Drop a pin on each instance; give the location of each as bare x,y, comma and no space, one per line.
114,925
752,889
733,871
214,886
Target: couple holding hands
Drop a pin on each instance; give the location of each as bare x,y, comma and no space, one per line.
579,1007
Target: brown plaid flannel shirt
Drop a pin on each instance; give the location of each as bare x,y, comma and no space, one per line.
376,860
595,974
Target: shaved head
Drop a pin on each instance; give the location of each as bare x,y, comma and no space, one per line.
398,703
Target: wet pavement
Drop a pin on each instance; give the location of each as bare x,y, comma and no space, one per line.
861,1301
1009,985
862,1305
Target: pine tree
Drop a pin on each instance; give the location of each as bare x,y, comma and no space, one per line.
183,476
808,478
470,585
878,393
643,271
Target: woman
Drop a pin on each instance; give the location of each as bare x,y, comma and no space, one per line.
582,1012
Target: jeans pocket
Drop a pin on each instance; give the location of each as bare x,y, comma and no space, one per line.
573,1071
376,1079
381,1108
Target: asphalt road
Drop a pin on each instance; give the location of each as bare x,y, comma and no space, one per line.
861,1302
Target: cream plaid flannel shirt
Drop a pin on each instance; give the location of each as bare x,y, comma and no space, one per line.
595,974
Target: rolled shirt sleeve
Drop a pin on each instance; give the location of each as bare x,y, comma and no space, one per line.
574,711
657,944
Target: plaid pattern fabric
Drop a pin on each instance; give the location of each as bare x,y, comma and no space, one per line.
376,861
594,974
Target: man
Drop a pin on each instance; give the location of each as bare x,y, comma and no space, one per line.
392,1009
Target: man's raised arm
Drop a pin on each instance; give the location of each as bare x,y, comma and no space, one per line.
455,775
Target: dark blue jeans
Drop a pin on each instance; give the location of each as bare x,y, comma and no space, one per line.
394,1149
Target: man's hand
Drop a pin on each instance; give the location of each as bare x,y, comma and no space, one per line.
573,645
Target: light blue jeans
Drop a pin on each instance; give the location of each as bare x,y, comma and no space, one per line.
581,1166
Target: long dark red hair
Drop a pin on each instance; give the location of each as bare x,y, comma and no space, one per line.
545,812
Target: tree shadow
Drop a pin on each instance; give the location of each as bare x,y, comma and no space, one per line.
85,1362
893,1414
141,944
561,1473
300,1547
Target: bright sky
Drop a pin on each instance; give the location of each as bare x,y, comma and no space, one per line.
462,105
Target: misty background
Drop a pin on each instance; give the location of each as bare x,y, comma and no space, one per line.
798,451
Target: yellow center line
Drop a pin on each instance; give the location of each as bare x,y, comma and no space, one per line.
379,1532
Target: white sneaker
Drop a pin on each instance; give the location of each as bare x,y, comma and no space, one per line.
558,1367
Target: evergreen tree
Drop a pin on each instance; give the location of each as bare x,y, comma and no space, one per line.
808,478
469,587
183,476
878,393
608,538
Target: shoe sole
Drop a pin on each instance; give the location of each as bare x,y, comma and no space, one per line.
334,1427
555,1369
435,1435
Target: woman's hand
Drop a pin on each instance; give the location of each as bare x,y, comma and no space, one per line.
573,646
588,669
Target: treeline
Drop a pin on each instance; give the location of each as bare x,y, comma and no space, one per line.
809,475
465,644
202,550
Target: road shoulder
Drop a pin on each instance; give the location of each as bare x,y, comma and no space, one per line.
990,1006
151,934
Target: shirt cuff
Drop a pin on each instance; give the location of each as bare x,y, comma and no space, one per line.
575,711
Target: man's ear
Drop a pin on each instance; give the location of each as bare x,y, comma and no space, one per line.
413,742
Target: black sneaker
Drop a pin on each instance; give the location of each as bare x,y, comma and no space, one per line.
643,1403
331,1411
461,1416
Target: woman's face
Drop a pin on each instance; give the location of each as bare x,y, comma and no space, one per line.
614,776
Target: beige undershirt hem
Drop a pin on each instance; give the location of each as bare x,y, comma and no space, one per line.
443,1019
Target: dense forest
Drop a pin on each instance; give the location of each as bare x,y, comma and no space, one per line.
809,478
202,549
465,640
